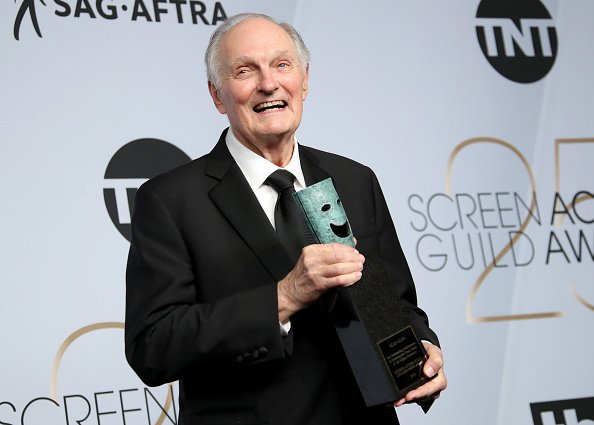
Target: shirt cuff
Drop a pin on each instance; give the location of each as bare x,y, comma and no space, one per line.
285,328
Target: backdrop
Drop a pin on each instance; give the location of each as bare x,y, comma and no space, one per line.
476,116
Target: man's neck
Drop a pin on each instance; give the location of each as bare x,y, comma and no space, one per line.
278,150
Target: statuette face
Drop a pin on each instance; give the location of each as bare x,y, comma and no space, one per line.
325,213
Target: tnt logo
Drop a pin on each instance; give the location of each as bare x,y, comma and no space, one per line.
132,165
517,37
564,412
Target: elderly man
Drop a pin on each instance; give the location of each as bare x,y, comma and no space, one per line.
215,298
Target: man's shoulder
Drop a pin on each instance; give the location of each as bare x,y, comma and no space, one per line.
339,167
333,163
179,173
195,172
178,181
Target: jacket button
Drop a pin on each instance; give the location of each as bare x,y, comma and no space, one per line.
239,359
263,351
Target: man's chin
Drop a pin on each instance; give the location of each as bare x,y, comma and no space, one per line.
275,132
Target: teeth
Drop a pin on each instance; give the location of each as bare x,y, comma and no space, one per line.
271,104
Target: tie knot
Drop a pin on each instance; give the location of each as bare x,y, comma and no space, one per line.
280,180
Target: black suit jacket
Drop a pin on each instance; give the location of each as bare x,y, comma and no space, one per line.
201,302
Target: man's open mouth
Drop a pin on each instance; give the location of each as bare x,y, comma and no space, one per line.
342,231
268,106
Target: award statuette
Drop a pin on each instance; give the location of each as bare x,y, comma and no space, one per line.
324,213
384,354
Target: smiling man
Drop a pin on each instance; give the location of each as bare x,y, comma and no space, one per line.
219,300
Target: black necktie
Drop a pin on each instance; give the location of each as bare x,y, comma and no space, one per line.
291,226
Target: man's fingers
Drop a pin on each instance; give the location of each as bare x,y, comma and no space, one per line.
431,389
434,362
338,269
344,279
329,254
433,368
319,269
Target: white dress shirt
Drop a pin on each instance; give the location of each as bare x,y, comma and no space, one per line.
256,170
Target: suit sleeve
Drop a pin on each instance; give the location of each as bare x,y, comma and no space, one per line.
395,263
168,332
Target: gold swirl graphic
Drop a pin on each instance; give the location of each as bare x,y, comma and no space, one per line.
486,319
73,337
580,298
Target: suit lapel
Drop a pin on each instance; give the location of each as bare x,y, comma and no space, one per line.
311,170
237,202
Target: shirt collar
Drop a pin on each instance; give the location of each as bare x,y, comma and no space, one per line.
256,168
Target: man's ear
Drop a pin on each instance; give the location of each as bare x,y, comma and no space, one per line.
305,83
214,93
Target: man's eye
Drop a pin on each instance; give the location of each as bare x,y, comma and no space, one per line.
242,71
284,65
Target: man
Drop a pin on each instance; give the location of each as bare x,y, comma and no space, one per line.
214,299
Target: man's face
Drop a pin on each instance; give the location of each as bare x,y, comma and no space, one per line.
262,83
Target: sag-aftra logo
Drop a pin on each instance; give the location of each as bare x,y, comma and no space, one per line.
193,12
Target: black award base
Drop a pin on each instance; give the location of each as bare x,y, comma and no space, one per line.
384,354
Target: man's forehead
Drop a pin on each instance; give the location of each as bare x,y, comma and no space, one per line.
256,31
278,54
254,25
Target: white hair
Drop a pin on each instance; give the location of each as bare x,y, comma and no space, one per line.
212,59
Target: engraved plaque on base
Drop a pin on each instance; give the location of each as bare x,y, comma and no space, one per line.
404,356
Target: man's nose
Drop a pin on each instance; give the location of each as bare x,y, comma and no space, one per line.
267,82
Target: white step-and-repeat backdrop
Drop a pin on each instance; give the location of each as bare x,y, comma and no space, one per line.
477,116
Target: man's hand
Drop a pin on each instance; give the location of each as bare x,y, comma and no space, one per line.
319,269
431,389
